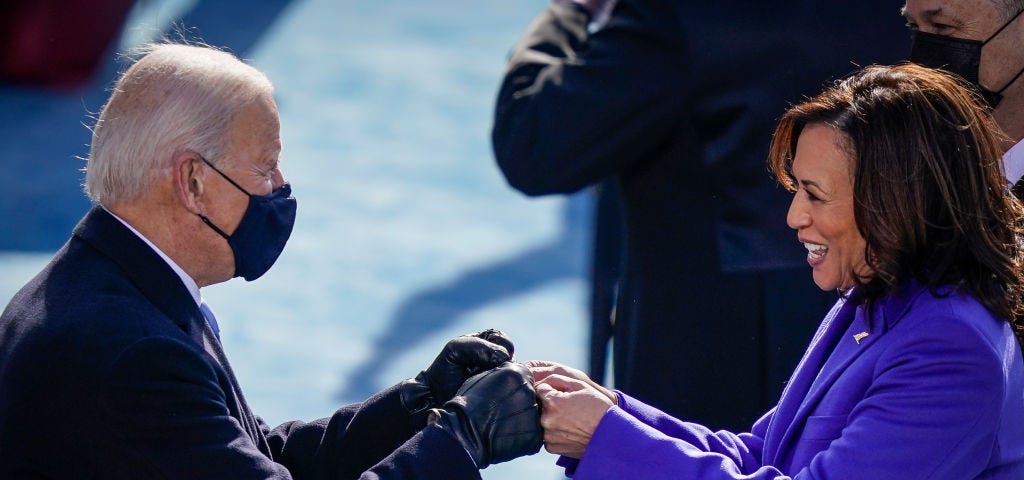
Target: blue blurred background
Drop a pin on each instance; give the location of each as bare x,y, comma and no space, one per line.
407,235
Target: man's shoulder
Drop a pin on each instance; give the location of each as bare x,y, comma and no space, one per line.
80,295
75,277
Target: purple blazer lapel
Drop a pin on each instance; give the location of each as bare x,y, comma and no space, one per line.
854,338
834,324
852,341
857,338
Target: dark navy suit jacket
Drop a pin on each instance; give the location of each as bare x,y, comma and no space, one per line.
109,370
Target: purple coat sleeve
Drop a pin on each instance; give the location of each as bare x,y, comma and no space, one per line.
936,397
645,441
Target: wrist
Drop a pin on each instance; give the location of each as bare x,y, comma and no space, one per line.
611,395
451,423
417,400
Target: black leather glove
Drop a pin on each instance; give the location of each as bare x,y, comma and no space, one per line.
495,415
461,358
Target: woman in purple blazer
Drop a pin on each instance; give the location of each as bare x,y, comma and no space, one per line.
916,372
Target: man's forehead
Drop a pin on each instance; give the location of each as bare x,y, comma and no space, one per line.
929,10
924,10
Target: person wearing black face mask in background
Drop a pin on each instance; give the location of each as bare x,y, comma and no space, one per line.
983,42
110,361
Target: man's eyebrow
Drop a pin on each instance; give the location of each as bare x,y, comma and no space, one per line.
929,15
926,16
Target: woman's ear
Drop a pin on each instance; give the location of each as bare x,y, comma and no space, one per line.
188,181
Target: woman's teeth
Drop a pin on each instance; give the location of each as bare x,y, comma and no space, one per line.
815,250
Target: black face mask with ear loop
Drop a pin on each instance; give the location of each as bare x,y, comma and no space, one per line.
263,232
960,56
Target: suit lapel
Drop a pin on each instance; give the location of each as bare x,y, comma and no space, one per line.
860,335
151,275
143,266
853,339
834,324
846,350
161,286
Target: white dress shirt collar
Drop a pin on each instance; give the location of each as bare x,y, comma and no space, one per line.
1013,163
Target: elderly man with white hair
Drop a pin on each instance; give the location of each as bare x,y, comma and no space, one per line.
110,361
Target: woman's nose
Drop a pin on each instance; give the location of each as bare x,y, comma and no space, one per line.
797,216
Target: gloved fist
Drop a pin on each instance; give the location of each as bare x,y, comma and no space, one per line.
461,358
495,415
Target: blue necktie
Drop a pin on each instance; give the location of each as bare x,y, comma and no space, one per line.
210,318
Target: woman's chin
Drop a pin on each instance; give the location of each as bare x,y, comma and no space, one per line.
825,284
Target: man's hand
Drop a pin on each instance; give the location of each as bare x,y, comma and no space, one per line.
494,415
461,358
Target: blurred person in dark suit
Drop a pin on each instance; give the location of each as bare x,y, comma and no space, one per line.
674,102
110,361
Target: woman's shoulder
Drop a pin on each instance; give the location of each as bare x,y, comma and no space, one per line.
952,317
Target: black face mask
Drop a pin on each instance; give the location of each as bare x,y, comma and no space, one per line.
958,55
263,231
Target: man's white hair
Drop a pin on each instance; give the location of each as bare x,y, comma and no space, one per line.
174,99
1009,8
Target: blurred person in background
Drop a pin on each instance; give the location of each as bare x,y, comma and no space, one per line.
670,106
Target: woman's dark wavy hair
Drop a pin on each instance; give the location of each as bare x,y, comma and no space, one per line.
930,197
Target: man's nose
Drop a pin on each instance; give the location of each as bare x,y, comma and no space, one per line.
277,179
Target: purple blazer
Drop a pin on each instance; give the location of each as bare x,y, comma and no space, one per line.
931,388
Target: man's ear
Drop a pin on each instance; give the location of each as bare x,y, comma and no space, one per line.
188,181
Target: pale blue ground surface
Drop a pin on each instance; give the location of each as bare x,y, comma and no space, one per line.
407,235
